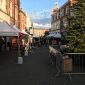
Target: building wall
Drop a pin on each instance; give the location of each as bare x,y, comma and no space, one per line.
40,31
64,12
3,5
12,7
16,12
60,21
22,19
58,17
28,22
9,11
54,17
53,26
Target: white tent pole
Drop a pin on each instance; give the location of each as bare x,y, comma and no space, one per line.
6,42
19,54
20,59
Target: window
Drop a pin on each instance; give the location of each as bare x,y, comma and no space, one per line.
57,27
58,14
67,10
52,18
62,12
16,2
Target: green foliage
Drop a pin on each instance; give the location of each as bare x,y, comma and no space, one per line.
76,31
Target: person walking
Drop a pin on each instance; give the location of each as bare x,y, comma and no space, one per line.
59,63
59,58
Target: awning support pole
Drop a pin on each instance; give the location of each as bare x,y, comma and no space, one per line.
19,54
20,59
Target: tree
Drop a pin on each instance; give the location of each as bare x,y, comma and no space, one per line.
76,31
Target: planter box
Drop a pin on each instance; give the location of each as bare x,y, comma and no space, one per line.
67,65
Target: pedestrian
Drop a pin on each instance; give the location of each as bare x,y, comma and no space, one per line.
59,59
59,64
64,49
53,58
26,49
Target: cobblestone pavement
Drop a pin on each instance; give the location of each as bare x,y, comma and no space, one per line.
36,70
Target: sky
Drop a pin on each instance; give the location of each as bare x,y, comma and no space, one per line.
40,11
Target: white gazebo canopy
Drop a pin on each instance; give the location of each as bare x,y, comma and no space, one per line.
23,32
54,34
19,31
57,35
16,28
51,34
7,30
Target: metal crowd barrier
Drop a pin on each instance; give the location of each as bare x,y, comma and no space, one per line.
69,63
74,63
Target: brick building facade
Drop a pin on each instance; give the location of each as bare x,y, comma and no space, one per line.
9,11
22,19
59,17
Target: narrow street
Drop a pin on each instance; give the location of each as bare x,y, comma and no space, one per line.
36,70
